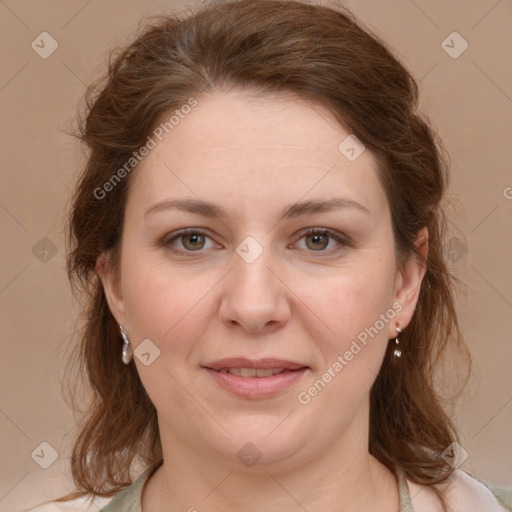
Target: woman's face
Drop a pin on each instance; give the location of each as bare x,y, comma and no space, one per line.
251,282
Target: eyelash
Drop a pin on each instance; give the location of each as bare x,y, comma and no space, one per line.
344,241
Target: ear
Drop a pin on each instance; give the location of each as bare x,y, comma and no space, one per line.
408,283
111,285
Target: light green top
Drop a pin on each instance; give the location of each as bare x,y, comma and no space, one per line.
129,499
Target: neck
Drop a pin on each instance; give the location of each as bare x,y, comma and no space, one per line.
343,478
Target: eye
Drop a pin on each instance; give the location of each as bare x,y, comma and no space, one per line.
191,240
318,239
188,240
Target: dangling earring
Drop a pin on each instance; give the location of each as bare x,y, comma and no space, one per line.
397,353
127,348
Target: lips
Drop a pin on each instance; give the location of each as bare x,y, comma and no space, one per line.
253,372
255,379
251,367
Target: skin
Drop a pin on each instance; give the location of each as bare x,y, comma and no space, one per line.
302,299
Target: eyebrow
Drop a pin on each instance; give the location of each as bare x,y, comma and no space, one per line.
293,210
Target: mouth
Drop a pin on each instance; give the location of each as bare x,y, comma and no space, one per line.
252,379
254,372
244,367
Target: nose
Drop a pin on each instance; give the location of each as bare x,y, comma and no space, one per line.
254,296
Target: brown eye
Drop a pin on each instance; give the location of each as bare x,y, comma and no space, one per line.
193,241
188,242
323,241
317,241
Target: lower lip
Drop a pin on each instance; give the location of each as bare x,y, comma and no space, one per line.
257,387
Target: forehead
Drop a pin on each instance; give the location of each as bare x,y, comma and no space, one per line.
261,149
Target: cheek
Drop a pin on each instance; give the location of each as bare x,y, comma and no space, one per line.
353,302
166,307
357,308
171,311
358,312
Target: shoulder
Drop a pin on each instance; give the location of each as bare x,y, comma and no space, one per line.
464,493
128,499
82,504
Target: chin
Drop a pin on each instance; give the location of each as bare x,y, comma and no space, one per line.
265,445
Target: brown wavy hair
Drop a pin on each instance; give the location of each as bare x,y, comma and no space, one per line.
327,57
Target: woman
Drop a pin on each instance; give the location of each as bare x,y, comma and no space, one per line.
259,230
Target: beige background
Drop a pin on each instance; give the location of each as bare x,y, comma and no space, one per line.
469,100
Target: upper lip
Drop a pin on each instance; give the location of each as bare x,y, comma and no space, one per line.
264,364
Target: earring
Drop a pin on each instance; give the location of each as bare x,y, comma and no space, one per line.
127,348
397,353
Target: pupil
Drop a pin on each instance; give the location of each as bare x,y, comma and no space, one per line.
194,239
319,240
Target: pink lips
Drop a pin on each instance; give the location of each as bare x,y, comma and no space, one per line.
256,387
264,364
